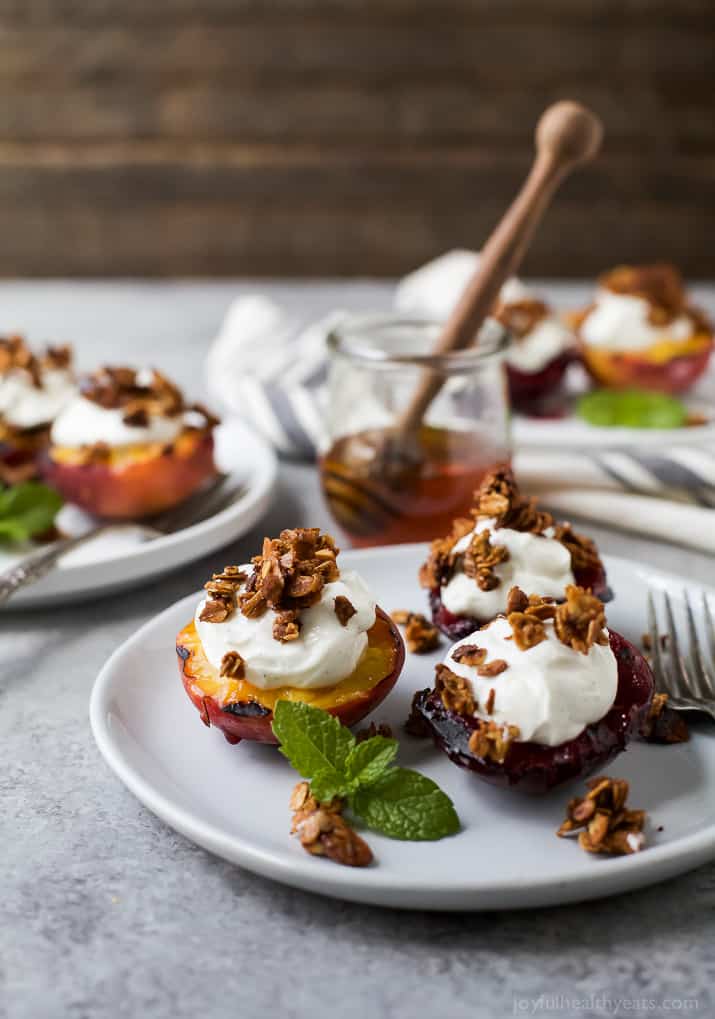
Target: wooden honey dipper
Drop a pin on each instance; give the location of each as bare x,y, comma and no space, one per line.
567,135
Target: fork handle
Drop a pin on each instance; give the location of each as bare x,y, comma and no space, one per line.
36,565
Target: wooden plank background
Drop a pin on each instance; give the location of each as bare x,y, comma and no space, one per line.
305,137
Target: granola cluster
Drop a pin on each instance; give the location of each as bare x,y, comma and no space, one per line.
605,824
15,355
323,831
499,499
580,621
421,635
661,285
491,741
288,576
521,317
139,395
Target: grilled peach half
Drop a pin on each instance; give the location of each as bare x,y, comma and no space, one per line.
135,481
673,375
242,711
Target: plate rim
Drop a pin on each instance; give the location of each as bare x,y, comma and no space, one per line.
620,874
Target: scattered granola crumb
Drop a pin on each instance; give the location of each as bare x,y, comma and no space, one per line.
489,706
606,825
383,729
323,831
344,609
492,669
664,724
421,636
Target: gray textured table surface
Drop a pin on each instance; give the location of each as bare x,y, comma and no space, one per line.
104,911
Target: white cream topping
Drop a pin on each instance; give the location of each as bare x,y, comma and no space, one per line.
550,691
325,653
83,423
547,340
620,322
24,405
538,564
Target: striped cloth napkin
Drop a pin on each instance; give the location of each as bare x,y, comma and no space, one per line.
270,369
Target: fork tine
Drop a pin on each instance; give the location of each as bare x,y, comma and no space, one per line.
680,678
658,670
710,630
698,671
190,509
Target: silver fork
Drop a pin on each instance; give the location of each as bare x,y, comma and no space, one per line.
200,506
688,682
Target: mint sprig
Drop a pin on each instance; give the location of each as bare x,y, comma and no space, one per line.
631,408
26,510
396,801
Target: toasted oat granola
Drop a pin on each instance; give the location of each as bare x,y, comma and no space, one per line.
526,616
480,559
664,724
498,498
421,635
139,395
323,831
520,317
344,609
605,824
455,691
289,575
491,741
580,621
661,285
15,355
232,666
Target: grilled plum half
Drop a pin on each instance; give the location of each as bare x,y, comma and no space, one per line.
534,767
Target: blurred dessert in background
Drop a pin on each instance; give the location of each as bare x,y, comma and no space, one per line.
542,346
642,331
128,446
34,388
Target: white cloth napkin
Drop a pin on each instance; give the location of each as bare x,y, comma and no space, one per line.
264,366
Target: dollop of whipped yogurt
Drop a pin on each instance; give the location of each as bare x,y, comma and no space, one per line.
325,653
84,422
548,338
620,322
536,563
25,405
549,691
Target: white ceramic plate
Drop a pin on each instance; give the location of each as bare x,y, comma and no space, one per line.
122,558
234,800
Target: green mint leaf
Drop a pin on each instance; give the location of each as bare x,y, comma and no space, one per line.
326,785
631,408
370,759
26,510
406,805
316,744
